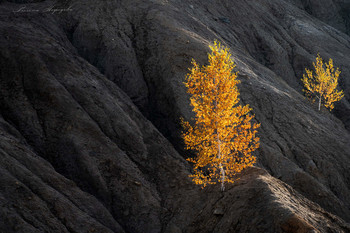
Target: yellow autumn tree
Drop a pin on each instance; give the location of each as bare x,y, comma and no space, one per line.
323,84
222,134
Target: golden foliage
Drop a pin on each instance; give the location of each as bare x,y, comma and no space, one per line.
222,135
323,84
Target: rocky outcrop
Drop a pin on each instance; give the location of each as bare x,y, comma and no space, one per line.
90,100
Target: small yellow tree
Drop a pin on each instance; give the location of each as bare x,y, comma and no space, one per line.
222,134
323,84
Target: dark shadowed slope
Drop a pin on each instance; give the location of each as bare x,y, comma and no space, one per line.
77,155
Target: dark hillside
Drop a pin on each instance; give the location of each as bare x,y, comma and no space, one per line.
90,101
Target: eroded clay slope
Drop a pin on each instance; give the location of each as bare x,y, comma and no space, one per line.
78,89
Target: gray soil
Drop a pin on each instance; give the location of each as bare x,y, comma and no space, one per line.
90,102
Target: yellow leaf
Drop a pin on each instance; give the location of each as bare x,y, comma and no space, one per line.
222,135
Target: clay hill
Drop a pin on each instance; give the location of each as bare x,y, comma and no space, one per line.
90,101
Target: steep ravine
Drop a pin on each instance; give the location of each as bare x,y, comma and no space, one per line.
90,101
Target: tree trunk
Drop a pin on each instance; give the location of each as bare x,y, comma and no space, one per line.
222,171
319,103
222,178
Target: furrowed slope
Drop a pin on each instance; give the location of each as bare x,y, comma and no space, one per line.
78,155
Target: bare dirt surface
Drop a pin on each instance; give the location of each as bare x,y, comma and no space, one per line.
90,101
